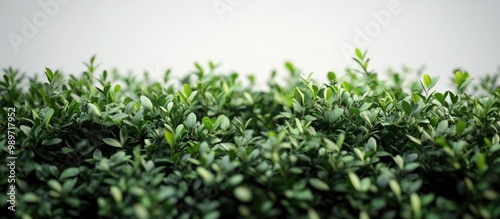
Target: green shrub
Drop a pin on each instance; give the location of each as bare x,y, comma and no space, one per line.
113,146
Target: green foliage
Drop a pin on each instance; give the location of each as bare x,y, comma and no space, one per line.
114,146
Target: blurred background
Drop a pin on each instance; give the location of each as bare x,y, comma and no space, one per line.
251,36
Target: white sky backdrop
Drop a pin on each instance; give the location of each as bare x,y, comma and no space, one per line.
256,36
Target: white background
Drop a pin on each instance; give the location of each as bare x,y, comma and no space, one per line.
254,36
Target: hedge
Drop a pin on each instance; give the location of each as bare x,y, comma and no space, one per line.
106,145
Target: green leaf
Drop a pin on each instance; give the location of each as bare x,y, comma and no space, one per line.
399,161
112,142
416,140
427,80
332,116
290,67
359,153
70,172
354,180
347,86
31,197
313,214
48,117
123,135
442,126
481,162
95,109
69,185
179,131
299,96
169,137
26,130
225,123
459,78
319,184
146,102
331,76
141,212
411,166
191,120
97,154
55,185
235,180
187,90
359,54
49,74
206,175
51,141
406,107
371,144
243,193
119,116
207,123
440,97
299,125
365,184
396,189
460,127
303,195
465,84
416,205
116,193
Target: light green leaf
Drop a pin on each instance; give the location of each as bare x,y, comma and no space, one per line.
169,137
31,197
225,123
411,166
146,102
187,90
140,211
365,184
372,144
416,205
354,180
70,172
243,193
459,78
116,193
416,140
359,153
331,76
427,80
235,180
205,174
359,54
48,116
399,161
112,142
313,214
396,189
460,127
347,86
299,125
95,109
442,126
191,120
319,184
119,116
55,185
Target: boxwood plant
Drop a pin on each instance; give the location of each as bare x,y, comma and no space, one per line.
105,145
